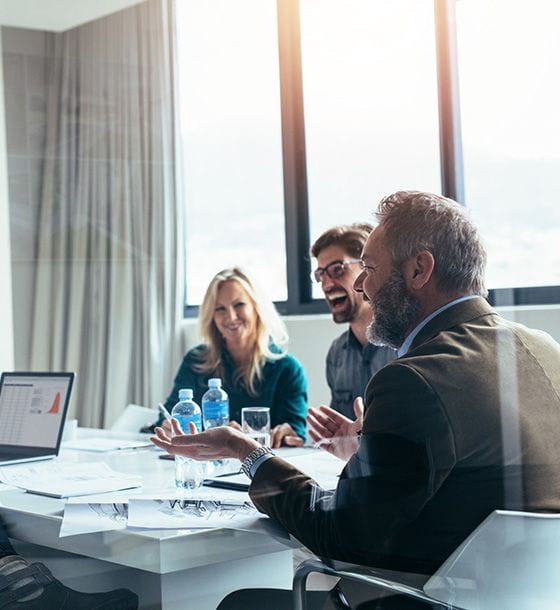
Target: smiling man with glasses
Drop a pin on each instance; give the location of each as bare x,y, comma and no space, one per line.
351,360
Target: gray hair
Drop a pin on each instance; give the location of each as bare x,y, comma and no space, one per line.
414,221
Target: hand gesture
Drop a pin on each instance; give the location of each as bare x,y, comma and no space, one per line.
284,434
217,443
167,426
334,432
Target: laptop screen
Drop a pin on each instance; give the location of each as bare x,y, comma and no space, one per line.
33,407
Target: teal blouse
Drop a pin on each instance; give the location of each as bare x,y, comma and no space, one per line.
283,388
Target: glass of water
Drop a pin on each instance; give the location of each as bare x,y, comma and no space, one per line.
255,421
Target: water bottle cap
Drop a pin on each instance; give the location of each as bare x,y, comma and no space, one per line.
185,394
215,382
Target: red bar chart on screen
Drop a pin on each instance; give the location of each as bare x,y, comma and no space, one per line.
56,404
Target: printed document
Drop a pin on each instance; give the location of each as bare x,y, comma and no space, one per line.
102,512
93,517
204,509
207,509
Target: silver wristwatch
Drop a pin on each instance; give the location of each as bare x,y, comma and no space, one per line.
248,462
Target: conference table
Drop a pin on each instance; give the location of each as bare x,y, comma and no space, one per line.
166,568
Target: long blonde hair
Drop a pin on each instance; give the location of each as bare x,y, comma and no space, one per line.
271,338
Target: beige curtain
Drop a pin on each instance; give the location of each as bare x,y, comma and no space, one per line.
108,281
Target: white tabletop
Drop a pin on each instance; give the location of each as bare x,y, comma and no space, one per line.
37,519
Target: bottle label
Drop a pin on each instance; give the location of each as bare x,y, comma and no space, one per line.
216,409
184,422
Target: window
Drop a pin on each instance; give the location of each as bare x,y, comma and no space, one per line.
509,61
298,115
229,96
370,101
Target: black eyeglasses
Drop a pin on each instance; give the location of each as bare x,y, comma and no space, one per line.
333,270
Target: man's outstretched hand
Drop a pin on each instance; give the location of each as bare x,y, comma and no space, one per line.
334,432
217,443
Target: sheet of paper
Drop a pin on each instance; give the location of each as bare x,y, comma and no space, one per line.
207,509
224,467
320,465
64,479
104,444
123,496
324,467
93,517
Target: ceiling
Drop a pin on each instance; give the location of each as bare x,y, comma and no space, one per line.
57,15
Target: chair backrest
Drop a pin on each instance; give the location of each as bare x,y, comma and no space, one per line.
510,562
133,418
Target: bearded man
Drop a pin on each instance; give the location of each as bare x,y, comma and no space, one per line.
465,421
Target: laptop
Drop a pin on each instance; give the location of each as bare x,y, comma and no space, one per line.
33,409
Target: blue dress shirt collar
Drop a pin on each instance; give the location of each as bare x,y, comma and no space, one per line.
403,349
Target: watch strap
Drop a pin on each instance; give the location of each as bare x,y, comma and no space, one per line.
246,465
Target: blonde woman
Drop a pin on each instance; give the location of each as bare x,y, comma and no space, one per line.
244,343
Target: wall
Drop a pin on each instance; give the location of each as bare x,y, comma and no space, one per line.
310,339
6,317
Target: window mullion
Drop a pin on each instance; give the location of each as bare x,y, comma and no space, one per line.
451,147
294,156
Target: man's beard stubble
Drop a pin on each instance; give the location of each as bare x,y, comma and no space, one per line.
395,311
348,315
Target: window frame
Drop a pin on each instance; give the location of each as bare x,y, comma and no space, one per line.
296,201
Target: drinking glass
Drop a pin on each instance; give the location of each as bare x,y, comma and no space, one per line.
255,421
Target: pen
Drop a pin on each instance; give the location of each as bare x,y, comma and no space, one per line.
233,486
164,411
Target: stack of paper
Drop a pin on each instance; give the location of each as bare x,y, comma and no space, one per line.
105,444
203,509
65,479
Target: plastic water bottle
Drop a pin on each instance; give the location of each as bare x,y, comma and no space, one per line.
189,474
215,405
186,411
215,410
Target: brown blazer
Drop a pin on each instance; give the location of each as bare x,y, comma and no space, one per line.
466,422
